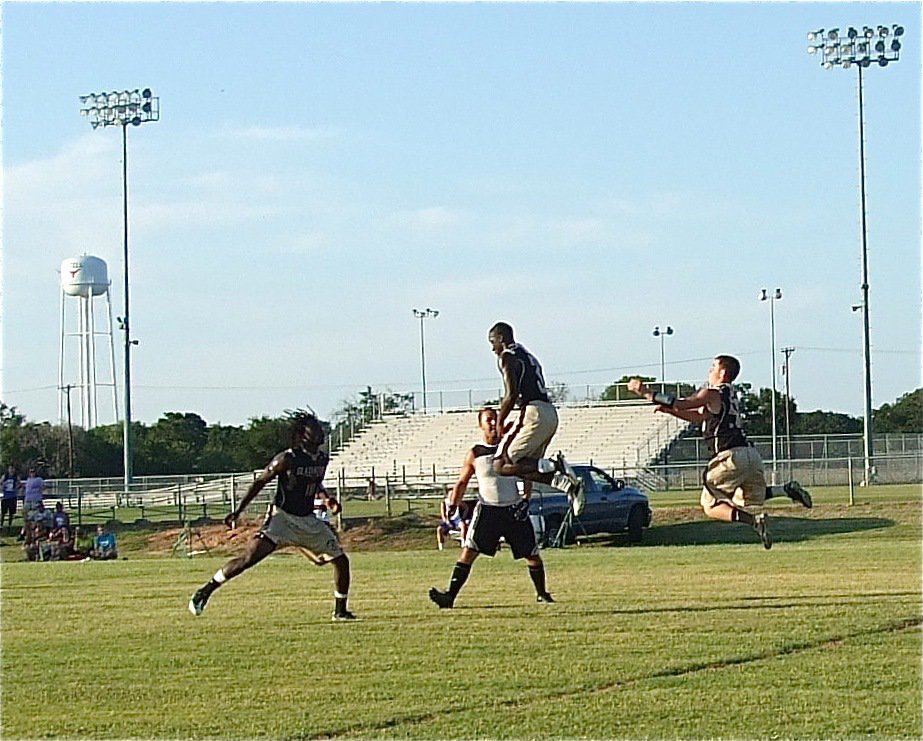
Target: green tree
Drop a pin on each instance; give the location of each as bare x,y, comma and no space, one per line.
825,423
225,450
757,410
905,415
172,445
265,437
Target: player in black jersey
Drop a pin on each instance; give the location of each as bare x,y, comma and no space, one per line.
526,440
290,519
734,478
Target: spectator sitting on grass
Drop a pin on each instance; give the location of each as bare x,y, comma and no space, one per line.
60,535
33,539
83,544
104,545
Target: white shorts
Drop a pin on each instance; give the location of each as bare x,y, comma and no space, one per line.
305,532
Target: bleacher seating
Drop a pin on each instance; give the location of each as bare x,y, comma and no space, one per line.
612,436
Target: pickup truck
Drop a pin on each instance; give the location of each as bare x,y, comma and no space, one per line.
611,507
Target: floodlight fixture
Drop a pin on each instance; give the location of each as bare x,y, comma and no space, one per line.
120,108
662,334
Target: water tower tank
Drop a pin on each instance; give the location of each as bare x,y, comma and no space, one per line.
84,276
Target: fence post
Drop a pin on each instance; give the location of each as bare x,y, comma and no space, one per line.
233,493
852,489
388,494
79,509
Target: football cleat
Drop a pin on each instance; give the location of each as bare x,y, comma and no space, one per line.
443,599
567,480
761,526
797,493
544,597
344,617
198,601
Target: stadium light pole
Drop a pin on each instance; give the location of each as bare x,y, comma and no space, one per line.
123,108
662,333
856,49
772,298
422,315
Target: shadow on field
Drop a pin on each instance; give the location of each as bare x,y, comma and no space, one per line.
783,529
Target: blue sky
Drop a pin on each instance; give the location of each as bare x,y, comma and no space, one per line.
582,171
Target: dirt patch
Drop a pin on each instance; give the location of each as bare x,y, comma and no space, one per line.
407,532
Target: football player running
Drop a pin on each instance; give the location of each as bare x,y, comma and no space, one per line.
290,519
501,512
734,478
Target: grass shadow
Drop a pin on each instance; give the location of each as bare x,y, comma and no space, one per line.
783,529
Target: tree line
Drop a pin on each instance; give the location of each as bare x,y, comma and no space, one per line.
184,443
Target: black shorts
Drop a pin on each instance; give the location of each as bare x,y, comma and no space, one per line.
489,524
8,506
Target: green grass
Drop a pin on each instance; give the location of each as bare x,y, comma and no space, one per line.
698,633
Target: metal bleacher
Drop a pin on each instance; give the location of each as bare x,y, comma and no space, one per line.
620,435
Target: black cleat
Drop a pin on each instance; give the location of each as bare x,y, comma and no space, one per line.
344,617
761,526
544,597
443,599
797,493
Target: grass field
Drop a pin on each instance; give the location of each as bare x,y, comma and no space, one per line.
698,633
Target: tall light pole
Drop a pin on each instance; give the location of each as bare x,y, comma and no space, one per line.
423,314
772,298
662,333
859,49
123,108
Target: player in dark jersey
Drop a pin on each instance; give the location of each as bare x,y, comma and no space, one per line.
734,478
526,439
290,519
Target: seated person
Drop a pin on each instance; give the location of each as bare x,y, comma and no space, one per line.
60,535
40,516
104,545
83,544
33,540
457,522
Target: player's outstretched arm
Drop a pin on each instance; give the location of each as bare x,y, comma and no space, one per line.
690,408
276,466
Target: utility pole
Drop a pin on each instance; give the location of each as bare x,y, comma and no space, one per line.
70,433
786,371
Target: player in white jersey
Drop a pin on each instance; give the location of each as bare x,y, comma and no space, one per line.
501,512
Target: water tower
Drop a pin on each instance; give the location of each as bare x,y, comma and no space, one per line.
85,279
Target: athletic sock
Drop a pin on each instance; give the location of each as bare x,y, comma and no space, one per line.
537,573
339,602
459,577
738,515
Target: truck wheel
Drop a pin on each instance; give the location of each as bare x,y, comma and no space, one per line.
635,524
